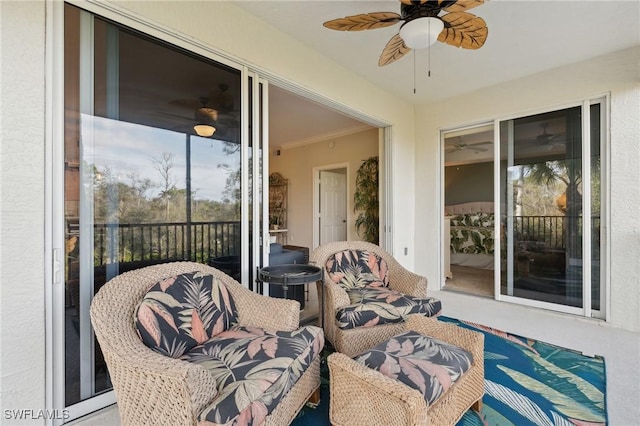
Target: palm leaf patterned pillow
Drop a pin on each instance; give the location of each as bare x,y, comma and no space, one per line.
357,269
184,311
371,306
428,365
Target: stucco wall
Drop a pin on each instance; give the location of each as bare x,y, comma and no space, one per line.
22,286
297,165
618,74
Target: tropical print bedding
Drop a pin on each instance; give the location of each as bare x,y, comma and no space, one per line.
472,233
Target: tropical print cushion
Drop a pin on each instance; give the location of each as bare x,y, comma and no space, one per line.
357,269
183,311
254,369
423,363
372,306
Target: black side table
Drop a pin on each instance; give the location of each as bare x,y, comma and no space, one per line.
293,274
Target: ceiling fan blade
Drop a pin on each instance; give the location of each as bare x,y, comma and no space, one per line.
394,50
480,143
463,5
364,21
476,149
192,104
449,151
464,30
175,117
222,101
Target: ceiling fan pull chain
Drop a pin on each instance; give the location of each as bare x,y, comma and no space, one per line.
429,59
414,72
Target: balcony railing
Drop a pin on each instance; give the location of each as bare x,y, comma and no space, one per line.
203,241
157,242
555,231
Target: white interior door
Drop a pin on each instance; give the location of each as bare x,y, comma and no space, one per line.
333,205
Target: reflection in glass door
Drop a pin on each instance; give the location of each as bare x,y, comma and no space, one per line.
155,170
550,201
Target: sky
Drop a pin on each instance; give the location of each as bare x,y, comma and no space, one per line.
127,147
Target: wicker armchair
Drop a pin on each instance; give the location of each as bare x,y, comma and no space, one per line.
155,389
353,341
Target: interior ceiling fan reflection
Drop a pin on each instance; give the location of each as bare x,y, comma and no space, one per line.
215,110
546,138
461,146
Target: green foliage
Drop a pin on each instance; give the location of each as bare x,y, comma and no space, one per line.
365,201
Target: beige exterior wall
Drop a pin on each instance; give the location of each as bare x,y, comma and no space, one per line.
617,74
297,165
22,206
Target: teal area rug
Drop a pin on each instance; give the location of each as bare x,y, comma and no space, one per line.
527,382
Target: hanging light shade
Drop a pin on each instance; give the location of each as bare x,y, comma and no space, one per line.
421,32
204,130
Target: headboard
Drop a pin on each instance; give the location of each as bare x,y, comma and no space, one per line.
469,208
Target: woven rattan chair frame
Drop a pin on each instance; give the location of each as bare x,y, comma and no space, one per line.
361,396
356,340
153,389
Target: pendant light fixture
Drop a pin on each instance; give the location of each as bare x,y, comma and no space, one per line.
204,130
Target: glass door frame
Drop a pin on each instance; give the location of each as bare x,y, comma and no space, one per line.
55,184
605,286
586,310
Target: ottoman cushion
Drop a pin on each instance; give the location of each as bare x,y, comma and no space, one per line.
423,363
371,306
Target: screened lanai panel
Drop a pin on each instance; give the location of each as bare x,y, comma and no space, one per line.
550,202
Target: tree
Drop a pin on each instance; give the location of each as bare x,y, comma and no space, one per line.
164,165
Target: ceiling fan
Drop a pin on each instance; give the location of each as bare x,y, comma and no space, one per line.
211,113
422,25
546,138
461,146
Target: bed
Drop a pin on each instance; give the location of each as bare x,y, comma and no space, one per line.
472,234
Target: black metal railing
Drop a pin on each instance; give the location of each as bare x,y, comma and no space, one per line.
553,231
544,229
156,242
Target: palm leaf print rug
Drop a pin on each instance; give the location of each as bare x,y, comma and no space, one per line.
527,382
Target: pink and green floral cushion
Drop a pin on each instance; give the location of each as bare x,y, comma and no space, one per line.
184,311
254,369
428,365
371,306
357,269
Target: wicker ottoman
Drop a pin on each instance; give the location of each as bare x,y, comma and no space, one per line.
364,396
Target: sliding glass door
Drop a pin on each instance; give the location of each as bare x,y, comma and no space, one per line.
551,205
162,162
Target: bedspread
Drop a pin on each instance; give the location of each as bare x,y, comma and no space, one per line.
472,240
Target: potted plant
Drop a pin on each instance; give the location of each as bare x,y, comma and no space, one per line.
274,222
365,201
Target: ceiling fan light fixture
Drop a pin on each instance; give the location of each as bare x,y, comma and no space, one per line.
421,32
204,130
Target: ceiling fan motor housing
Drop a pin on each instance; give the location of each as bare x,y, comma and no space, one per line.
409,12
